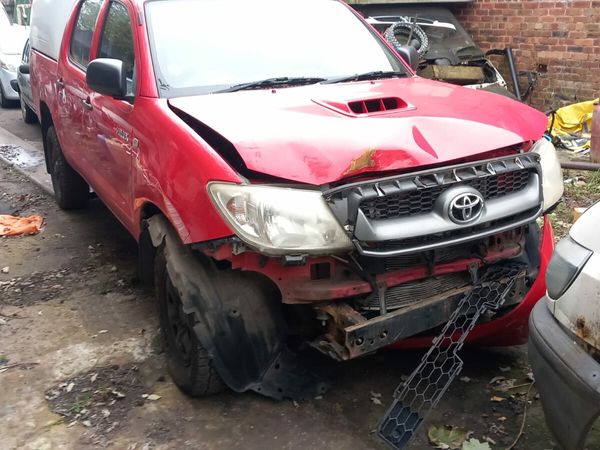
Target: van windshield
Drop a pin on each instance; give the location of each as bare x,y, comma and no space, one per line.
205,46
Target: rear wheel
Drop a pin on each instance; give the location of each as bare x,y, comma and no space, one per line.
189,363
70,189
28,114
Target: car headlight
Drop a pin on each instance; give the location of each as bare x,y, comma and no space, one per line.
280,220
8,66
552,178
566,263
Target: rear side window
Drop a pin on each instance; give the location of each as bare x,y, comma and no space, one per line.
81,40
117,40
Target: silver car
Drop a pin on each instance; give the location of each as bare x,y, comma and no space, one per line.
27,107
564,334
12,40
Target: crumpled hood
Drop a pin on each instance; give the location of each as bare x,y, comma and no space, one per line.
307,134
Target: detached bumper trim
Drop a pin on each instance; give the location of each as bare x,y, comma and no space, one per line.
567,377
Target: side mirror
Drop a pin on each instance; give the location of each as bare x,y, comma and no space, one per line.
24,69
410,56
107,77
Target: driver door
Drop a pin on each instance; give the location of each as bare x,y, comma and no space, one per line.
112,118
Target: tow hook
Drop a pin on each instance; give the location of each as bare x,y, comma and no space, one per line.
421,392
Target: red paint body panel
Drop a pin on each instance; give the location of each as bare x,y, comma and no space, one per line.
297,286
141,153
512,328
286,133
443,123
169,168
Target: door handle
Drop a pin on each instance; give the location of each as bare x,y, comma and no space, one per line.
87,105
60,84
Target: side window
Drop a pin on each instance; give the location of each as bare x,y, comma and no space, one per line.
116,41
81,40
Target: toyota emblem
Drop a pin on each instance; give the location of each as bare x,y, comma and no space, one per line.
466,208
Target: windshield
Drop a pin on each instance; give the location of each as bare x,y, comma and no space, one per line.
203,46
447,38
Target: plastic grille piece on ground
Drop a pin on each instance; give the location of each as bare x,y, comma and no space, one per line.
441,364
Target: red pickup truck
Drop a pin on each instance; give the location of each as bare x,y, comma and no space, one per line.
291,182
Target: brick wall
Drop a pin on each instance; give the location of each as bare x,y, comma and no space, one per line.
562,35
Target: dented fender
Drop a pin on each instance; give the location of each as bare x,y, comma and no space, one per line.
239,321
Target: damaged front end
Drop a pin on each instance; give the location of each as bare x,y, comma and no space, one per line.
359,267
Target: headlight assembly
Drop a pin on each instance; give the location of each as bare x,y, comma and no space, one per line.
552,179
566,263
280,220
8,66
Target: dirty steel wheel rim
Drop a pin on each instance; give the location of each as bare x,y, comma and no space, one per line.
179,330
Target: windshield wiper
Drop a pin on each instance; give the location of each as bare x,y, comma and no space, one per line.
272,82
375,75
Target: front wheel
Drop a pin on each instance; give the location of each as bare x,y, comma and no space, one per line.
70,189
189,364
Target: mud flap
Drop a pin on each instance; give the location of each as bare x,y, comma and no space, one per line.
240,323
441,364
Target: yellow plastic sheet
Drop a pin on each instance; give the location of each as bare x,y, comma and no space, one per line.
573,121
573,118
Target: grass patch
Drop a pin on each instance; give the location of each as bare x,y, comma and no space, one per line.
582,189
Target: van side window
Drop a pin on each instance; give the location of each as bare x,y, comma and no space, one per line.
81,40
116,41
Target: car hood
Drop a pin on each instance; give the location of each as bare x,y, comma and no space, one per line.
310,134
585,230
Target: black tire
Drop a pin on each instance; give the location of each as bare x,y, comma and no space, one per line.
4,102
188,362
71,191
28,114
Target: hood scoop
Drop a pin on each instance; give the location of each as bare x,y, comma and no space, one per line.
367,107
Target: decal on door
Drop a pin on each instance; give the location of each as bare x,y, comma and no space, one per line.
122,134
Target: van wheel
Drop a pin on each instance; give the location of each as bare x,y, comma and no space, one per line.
28,114
70,190
189,363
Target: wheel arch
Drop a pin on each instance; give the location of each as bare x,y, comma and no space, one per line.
146,245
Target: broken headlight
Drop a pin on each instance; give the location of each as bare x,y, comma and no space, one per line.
552,179
280,220
566,263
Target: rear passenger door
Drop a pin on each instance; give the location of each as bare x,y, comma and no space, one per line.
112,118
73,93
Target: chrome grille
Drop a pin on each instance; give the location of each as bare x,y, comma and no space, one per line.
422,200
408,213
